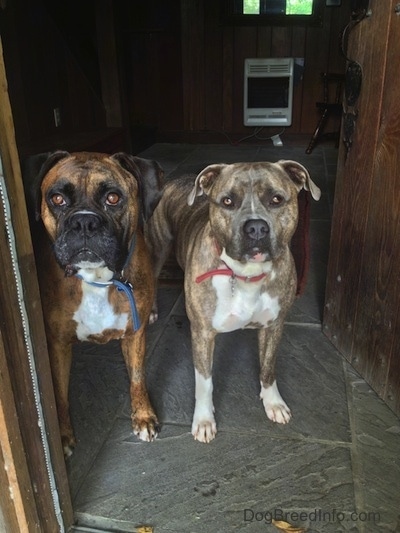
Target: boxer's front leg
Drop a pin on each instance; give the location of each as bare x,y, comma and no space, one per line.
204,427
60,361
274,405
144,420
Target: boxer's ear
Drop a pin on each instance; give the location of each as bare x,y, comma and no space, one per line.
204,181
300,177
40,165
149,176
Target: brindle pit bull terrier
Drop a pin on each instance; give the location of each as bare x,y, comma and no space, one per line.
94,268
231,228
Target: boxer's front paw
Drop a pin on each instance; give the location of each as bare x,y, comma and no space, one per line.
204,430
274,405
68,445
154,313
153,318
145,427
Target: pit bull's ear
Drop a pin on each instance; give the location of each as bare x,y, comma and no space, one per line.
149,176
204,181
300,177
38,166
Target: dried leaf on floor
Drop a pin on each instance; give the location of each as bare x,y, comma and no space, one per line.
287,528
144,529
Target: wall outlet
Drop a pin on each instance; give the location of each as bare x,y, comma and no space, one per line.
57,117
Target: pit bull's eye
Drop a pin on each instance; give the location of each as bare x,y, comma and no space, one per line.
277,199
227,201
112,198
58,200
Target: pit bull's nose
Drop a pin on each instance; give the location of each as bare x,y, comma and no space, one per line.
85,222
256,229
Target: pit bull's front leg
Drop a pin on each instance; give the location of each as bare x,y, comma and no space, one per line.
204,427
274,405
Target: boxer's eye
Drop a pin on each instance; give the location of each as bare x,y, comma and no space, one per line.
112,198
276,200
58,200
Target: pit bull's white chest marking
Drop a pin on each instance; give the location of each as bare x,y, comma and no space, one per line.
245,307
95,314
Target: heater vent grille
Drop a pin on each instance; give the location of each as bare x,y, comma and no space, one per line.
268,91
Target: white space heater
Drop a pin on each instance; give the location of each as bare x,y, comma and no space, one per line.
268,91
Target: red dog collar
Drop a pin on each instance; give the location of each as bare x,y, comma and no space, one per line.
229,272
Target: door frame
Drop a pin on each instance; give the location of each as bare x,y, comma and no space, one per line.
32,464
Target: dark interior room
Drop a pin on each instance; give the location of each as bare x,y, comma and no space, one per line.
188,84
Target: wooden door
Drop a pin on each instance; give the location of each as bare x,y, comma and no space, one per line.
361,315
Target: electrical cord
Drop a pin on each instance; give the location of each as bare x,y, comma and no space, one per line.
255,135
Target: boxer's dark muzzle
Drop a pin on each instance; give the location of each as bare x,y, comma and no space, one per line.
88,237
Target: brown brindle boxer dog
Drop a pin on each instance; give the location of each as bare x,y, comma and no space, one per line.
231,228
95,274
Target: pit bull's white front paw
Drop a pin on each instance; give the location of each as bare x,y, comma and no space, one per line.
204,430
204,427
274,405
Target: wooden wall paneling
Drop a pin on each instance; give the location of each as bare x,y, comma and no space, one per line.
264,37
281,42
151,54
136,69
13,62
213,71
227,78
245,45
316,61
85,109
312,43
153,57
40,66
169,85
48,77
108,62
336,62
361,313
338,20
192,17
281,46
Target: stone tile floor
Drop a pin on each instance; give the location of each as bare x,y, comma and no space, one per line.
334,468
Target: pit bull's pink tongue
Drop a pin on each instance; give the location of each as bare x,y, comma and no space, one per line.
258,257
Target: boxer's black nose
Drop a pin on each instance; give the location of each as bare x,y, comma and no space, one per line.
86,223
256,229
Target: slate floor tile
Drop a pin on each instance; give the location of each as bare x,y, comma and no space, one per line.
218,487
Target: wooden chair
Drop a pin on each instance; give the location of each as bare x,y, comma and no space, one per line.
332,86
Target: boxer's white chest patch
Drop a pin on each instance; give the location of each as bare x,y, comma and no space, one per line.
244,307
95,314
